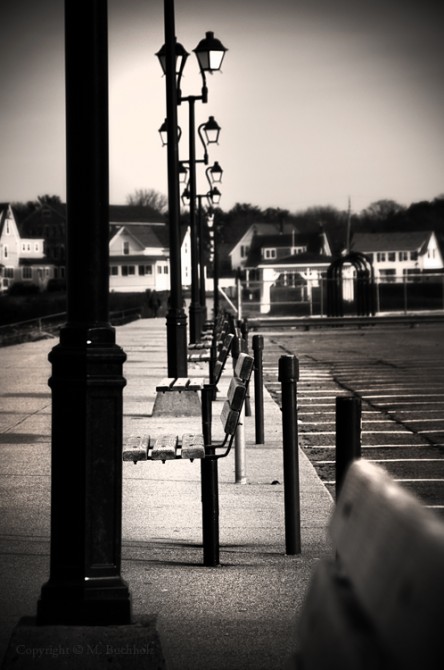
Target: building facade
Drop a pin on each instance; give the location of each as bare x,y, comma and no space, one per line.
22,259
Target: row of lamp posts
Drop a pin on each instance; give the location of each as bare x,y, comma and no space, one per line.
85,586
210,53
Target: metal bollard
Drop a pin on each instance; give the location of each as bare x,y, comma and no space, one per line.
240,451
209,487
288,376
348,435
258,346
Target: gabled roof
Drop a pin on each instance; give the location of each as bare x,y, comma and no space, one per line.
154,234
3,214
408,241
147,234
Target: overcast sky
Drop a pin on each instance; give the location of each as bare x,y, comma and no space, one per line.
319,100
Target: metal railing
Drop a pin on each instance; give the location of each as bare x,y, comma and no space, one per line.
292,296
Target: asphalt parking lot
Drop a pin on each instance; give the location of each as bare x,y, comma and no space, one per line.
398,372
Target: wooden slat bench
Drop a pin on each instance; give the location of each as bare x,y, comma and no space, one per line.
142,447
210,341
167,404
380,604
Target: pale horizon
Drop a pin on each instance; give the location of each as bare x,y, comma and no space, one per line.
317,103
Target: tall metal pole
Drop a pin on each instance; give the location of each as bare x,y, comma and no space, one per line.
176,320
85,586
195,308
216,271
202,287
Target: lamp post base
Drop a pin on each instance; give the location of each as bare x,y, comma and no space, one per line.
176,324
195,322
96,602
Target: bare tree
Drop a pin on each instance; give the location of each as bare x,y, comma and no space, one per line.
148,198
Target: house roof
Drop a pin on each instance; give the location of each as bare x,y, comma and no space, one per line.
285,242
147,234
408,241
154,234
298,259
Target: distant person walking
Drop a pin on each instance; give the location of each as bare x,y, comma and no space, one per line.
154,303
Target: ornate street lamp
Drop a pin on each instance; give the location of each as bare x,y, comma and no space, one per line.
214,174
210,53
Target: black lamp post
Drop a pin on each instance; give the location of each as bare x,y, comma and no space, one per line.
210,53
85,586
213,198
173,57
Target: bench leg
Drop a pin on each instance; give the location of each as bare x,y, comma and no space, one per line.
209,487
210,512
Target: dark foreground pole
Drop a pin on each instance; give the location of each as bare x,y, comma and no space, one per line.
210,487
258,347
348,435
176,320
85,586
288,376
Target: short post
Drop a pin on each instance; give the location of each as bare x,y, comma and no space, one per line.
258,346
240,459
240,452
348,435
288,376
209,487
244,348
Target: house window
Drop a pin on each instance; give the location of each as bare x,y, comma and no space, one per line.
26,273
165,270
141,270
126,248
387,275
131,269
380,256
8,273
23,247
148,269
413,255
391,256
124,271
114,270
244,250
5,251
409,273
36,246
7,227
403,255
159,269
269,253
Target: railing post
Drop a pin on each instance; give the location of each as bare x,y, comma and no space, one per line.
258,346
348,436
209,487
288,376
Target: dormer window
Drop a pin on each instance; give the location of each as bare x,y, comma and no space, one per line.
126,248
269,253
298,250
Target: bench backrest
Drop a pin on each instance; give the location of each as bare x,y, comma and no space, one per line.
390,568
222,357
236,394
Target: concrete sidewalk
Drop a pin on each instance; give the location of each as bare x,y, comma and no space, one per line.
241,615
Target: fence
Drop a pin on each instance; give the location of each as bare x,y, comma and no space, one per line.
22,331
308,297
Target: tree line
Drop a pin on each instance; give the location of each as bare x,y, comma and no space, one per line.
382,215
